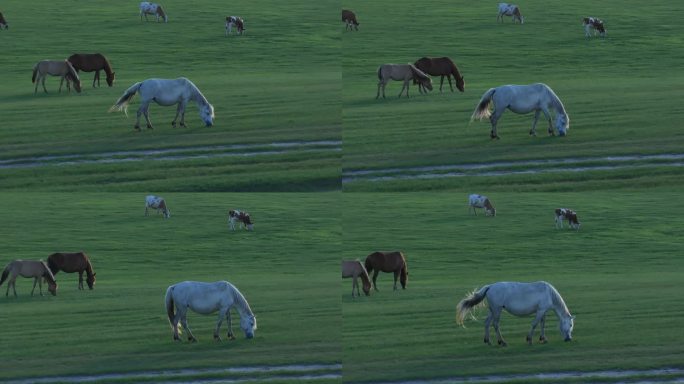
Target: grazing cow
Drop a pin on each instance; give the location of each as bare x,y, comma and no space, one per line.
149,8
506,9
235,216
479,201
349,19
158,203
236,21
3,22
569,215
594,23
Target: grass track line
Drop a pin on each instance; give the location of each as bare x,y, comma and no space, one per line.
231,375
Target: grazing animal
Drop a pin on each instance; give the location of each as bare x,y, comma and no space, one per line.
166,92
405,72
149,8
519,299
243,218
479,201
89,62
388,262
349,19
506,9
355,269
37,269
158,203
61,68
569,215
73,262
441,66
205,299
236,21
594,23
523,99
3,22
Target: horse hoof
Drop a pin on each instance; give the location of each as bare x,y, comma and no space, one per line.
137,127
149,126
217,338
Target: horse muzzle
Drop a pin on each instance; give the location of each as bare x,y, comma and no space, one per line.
568,339
249,335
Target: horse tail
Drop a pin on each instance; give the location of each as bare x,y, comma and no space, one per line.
482,111
35,72
380,72
5,273
122,103
469,302
169,305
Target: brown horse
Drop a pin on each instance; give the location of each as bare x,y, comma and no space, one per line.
73,262
88,62
3,22
441,66
349,19
37,269
354,268
388,262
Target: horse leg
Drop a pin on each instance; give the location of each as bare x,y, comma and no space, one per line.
494,118
441,81
231,335
183,104
43,83
548,118
533,131
537,319
80,280
375,276
450,86
184,323
221,315
488,322
178,109
355,287
542,336
496,315
35,281
396,276
96,77
377,96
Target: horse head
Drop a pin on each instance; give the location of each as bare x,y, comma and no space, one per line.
207,114
562,124
566,325
52,287
460,84
110,79
91,281
249,325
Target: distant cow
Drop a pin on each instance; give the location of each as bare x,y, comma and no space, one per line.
349,19
506,9
594,23
158,203
3,22
569,215
236,21
479,201
235,216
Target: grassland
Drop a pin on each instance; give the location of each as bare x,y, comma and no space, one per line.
621,92
287,269
278,83
620,275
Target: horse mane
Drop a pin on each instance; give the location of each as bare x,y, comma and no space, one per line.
200,97
417,72
48,273
558,300
560,108
364,274
454,68
72,71
241,301
107,66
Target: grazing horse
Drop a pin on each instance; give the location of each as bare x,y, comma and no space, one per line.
510,10
441,66
73,262
37,269
158,203
88,62
205,299
61,68
349,19
355,269
149,8
594,23
479,201
519,299
569,215
3,22
236,21
405,72
523,99
388,262
243,218
166,92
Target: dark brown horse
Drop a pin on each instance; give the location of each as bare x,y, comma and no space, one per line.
3,22
388,262
441,66
73,262
88,62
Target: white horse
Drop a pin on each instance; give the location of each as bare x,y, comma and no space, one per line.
166,92
506,9
149,8
158,203
523,99
519,299
207,298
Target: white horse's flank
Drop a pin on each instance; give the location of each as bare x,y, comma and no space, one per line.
149,8
166,92
523,99
205,299
519,299
506,9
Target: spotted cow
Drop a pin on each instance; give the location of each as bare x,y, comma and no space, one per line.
569,215
479,201
241,218
158,203
593,23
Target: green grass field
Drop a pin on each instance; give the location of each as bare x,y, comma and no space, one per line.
620,275
278,83
287,269
621,93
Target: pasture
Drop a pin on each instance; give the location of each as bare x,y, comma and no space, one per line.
276,92
287,268
620,275
621,93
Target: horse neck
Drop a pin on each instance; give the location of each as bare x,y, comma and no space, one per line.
557,104
198,97
89,268
559,306
241,303
48,273
107,66
454,70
